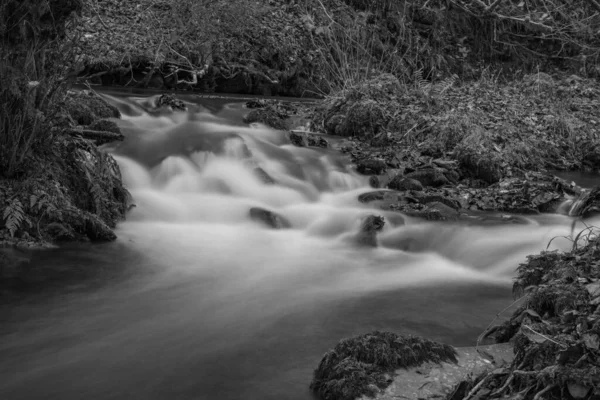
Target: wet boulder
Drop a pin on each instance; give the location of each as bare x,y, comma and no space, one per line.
433,177
374,182
304,139
269,218
169,100
371,166
402,183
266,116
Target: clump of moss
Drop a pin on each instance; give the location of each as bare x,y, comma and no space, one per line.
364,110
358,366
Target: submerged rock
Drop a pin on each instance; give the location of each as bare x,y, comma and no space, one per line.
269,218
362,365
369,227
263,176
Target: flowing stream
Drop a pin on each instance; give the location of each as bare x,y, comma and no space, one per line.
197,301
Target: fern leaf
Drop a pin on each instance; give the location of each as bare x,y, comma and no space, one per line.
420,81
13,216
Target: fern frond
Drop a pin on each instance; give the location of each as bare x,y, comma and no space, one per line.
13,216
421,83
446,84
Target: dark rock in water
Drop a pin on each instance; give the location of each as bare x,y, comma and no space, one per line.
429,177
269,218
303,139
267,117
587,205
361,365
257,103
367,235
169,100
372,166
374,182
427,198
263,176
435,211
372,196
317,141
297,139
402,183
105,125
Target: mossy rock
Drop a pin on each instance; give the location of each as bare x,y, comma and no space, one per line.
267,117
359,365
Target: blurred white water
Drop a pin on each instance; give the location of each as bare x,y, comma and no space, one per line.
220,306
195,200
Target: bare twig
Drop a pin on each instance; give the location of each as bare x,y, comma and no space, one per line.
548,388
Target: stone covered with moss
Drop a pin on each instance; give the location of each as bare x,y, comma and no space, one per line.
362,365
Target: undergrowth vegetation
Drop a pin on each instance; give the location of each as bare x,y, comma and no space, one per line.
556,331
494,129
316,47
53,186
